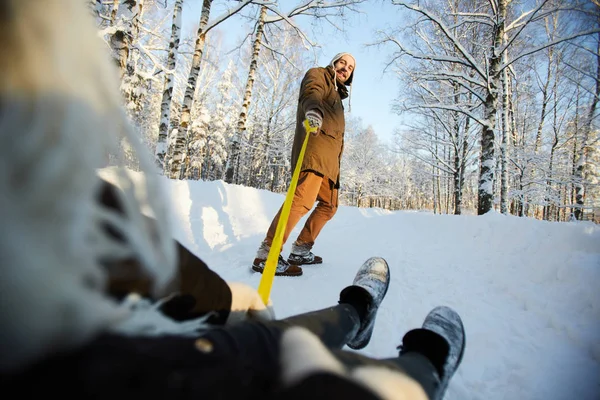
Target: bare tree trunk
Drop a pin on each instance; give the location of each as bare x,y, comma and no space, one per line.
433,185
549,180
448,180
233,159
456,183
463,163
547,208
579,175
573,169
436,178
132,95
165,105
174,167
563,210
515,143
485,192
545,99
506,94
458,171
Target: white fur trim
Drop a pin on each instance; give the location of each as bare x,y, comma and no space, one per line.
146,320
61,119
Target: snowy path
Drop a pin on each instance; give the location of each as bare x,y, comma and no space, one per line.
527,290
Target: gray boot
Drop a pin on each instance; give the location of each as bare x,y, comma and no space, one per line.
442,341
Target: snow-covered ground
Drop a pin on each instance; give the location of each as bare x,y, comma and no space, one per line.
528,291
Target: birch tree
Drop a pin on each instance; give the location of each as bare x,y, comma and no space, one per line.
167,96
179,135
587,133
233,161
440,137
179,140
486,66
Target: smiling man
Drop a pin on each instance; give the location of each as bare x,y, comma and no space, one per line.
320,102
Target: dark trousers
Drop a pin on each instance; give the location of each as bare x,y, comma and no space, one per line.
233,362
258,344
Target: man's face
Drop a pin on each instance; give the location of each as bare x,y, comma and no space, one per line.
344,67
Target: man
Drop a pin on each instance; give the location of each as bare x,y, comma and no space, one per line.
320,103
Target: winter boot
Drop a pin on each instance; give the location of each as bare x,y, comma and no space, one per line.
366,294
301,254
283,267
441,340
310,258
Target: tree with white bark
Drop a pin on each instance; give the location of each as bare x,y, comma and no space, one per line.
175,168
167,96
478,71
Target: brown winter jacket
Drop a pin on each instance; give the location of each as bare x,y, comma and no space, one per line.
324,151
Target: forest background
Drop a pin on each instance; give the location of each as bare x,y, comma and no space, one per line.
458,106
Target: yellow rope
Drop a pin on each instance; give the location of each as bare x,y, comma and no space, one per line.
266,282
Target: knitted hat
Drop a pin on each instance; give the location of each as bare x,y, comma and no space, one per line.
336,58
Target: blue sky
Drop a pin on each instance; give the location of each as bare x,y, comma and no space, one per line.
373,91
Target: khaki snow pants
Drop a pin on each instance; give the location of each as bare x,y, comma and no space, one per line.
311,187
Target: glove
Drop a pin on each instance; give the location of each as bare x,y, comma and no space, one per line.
247,304
304,356
314,120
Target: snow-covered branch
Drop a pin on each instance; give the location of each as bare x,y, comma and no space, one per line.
430,57
548,44
454,76
231,12
313,6
468,60
281,54
449,108
474,18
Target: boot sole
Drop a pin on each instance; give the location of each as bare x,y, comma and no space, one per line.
260,270
308,263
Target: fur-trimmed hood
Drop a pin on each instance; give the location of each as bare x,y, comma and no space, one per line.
60,121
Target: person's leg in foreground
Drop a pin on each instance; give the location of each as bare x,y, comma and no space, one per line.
349,323
252,358
428,359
